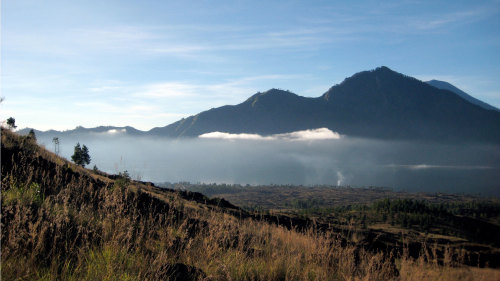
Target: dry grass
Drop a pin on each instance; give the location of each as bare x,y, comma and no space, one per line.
419,270
62,222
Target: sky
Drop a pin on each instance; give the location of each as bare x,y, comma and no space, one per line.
150,63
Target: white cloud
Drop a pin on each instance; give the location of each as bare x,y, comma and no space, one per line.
228,136
316,134
116,131
305,135
427,166
168,89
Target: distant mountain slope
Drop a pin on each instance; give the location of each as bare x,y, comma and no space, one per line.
111,130
274,111
377,104
447,86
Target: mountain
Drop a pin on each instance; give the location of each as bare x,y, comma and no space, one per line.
447,86
270,112
379,104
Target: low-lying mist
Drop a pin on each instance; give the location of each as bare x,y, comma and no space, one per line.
290,159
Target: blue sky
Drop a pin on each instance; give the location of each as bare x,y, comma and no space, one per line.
150,63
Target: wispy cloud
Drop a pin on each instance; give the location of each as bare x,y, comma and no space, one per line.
168,90
159,104
392,18
168,40
105,88
313,36
237,88
124,107
198,41
440,20
113,37
106,40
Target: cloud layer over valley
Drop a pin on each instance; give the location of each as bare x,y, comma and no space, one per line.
312,157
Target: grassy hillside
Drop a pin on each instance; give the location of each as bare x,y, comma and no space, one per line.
379,218
60,221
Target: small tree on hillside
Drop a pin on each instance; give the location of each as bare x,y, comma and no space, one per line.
11,122
81,155
85,155
32,135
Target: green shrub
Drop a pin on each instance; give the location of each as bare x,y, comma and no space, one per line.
23,194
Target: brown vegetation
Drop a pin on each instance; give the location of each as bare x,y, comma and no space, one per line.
60,221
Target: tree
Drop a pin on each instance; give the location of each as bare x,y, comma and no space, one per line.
85,154
32,135
11,122
81,155
77,155
123,179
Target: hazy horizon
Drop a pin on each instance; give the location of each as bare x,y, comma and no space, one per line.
336,161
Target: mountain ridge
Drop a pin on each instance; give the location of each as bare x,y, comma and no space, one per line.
379,103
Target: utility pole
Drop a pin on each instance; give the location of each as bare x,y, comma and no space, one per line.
55,140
